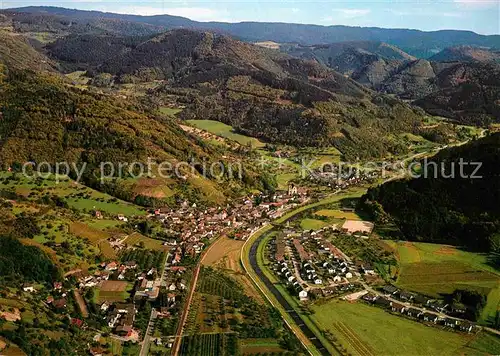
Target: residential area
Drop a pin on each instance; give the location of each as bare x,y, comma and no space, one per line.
312,268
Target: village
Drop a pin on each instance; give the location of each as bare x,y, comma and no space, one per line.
125,285
312,267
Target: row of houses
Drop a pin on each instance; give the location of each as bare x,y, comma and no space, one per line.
414,298
419,313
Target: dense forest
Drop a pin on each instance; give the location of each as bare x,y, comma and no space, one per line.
438,208
20,263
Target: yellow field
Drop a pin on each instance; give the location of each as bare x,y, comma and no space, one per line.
225,254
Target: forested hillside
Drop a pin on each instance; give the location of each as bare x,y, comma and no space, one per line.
464,88
466,54
17,52
45,120
457,211
417,43
20,263
259,92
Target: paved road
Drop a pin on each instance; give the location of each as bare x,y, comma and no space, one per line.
147,337
289,309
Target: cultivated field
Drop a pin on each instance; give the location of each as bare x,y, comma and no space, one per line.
223,130
434,269
112,291
96,237
225,254
338,214
86,232
358,328
312,224
209,345
260,346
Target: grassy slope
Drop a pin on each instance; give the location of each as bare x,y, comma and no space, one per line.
398,336
67,189
447,268
223,130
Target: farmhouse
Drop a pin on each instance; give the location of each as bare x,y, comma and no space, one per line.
466,326
452,323
303,295
396,307
383,302
429,317
370,297
389,290
413,312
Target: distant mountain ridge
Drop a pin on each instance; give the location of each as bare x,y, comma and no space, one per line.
260,92
461,83
466,54
414,42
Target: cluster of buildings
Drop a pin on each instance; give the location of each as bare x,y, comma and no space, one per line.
419,307
308,263
340,177
120,317
420,313
190,225
439,306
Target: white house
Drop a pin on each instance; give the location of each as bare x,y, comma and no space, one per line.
318,281
29,288
303,295
348,275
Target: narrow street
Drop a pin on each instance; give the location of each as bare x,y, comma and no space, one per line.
147,336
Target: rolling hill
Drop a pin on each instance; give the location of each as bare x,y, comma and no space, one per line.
462,88
44,119
17,52
460,211
327,53
466,54
417,43
260,92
